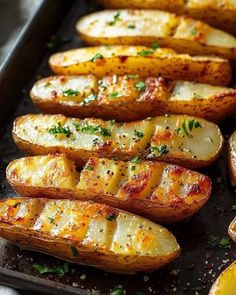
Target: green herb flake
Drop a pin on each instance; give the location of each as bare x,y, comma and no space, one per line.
155,45
132,76
96,57
59,129
138,133
70,92
118,290
88,167
136,160
131,27
194,32
197,96
162,149
51,220
225,243
112,216
115,94
86,128
140,86
233,208
89,99
116,17
188,126
133,168
197,288
48,84
216,241
57,41
74,251
61,271
145,52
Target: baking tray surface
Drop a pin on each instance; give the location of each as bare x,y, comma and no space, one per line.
202,258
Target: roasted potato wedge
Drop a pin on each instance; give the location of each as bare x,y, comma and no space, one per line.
219,14
179,139
128,98
232,230
232,158
135,27
87,233
226,282
144,61
159,191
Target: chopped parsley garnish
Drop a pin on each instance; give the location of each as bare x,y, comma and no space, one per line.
89,99
197,96
115,94
162,149
111,216
131,26
138,133
61,271
70,92
130,76
133,168
136,160
216,241
194,31
74,251
51,220
86,128
145,52
88,167
96,57
116,17
140,86
118,290
188,126
59,129
233,208
48,84
225,243
155,45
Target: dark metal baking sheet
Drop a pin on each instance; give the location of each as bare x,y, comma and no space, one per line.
192,273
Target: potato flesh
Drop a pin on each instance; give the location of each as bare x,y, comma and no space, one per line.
153,25
54,226
158,96
121,184
121,60
225,284
205,10
32,133
232,158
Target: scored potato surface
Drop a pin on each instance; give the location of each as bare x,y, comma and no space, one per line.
141,60
162,192
179,139
134,27
130,97
73,230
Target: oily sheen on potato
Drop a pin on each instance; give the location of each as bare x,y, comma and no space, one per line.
131,97
87,233
232,158
226,282
179,139
219,14
144,61
140,26
232,229
159,191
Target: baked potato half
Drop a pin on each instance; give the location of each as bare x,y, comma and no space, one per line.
140,26
232,158
179,139
219,14
232,230
159,191
130,97
144,61
87,233
226,282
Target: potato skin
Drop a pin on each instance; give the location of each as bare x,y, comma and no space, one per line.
122,60
225,283
151,190
232,158
185,35
159,140
95,235
232,230
218,14
161,96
